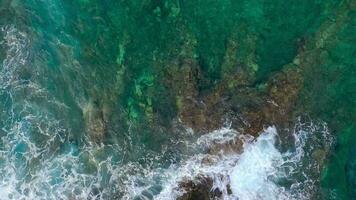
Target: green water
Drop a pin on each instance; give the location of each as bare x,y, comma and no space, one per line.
112,77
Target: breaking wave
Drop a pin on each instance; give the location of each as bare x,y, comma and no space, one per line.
261,170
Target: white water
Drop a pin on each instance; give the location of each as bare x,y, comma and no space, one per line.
250,178
257,172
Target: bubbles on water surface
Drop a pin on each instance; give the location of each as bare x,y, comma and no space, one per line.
261,170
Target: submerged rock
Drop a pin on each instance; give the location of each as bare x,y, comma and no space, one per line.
94,116
250,107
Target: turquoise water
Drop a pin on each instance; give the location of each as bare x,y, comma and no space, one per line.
109,99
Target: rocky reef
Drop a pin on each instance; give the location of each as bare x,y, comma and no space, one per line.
237,96
247,104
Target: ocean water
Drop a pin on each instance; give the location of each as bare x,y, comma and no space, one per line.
93,99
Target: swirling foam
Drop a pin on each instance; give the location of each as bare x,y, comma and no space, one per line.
262,170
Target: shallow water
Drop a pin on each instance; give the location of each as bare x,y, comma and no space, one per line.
93,98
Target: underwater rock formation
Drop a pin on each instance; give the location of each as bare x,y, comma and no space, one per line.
94,121
271,103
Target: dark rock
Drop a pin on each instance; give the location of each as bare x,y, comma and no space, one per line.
199,189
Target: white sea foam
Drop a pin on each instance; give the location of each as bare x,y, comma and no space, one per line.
254,173
16,43
259,171
32,164
251,178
